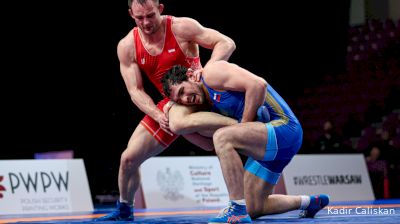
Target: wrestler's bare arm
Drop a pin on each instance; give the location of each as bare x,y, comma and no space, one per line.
133,81
222,75
190,31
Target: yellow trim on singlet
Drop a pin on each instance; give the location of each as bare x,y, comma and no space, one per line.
278,109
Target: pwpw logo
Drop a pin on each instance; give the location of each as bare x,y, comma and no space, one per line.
2,188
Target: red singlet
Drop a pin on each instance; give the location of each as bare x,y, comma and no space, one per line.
155,66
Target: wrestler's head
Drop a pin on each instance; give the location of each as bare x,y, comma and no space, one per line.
147,14
180,85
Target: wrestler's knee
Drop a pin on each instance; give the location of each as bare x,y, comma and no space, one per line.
126,160
129,160
254,207
222,140
254,214
177,126
222,136
178,119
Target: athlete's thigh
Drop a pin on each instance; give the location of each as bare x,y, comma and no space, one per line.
249,138
143,145
178,111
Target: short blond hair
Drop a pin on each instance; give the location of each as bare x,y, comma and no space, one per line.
141,2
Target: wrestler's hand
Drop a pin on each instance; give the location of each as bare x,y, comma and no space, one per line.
164,123
195,73
167,107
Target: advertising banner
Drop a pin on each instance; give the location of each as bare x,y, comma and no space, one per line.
187,181
343,176
44,186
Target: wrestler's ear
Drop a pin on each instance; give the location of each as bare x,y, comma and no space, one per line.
161,8
131,13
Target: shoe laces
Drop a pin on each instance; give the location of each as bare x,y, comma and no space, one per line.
303,213
226,211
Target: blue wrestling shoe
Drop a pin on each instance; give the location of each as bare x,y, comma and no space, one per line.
234,213
317,202
124,212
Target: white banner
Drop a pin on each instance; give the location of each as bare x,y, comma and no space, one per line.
187,181
43,186
343,176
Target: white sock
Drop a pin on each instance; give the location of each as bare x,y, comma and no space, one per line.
240,202
131,204
305,202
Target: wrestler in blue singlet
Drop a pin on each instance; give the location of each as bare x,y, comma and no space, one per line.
285,134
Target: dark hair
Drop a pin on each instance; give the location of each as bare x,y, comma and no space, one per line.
142,2
176,75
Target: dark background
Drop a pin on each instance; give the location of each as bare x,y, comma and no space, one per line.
62,89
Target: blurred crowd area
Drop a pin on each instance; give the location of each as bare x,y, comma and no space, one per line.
358,111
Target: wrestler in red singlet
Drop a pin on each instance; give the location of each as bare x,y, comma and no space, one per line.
155,67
